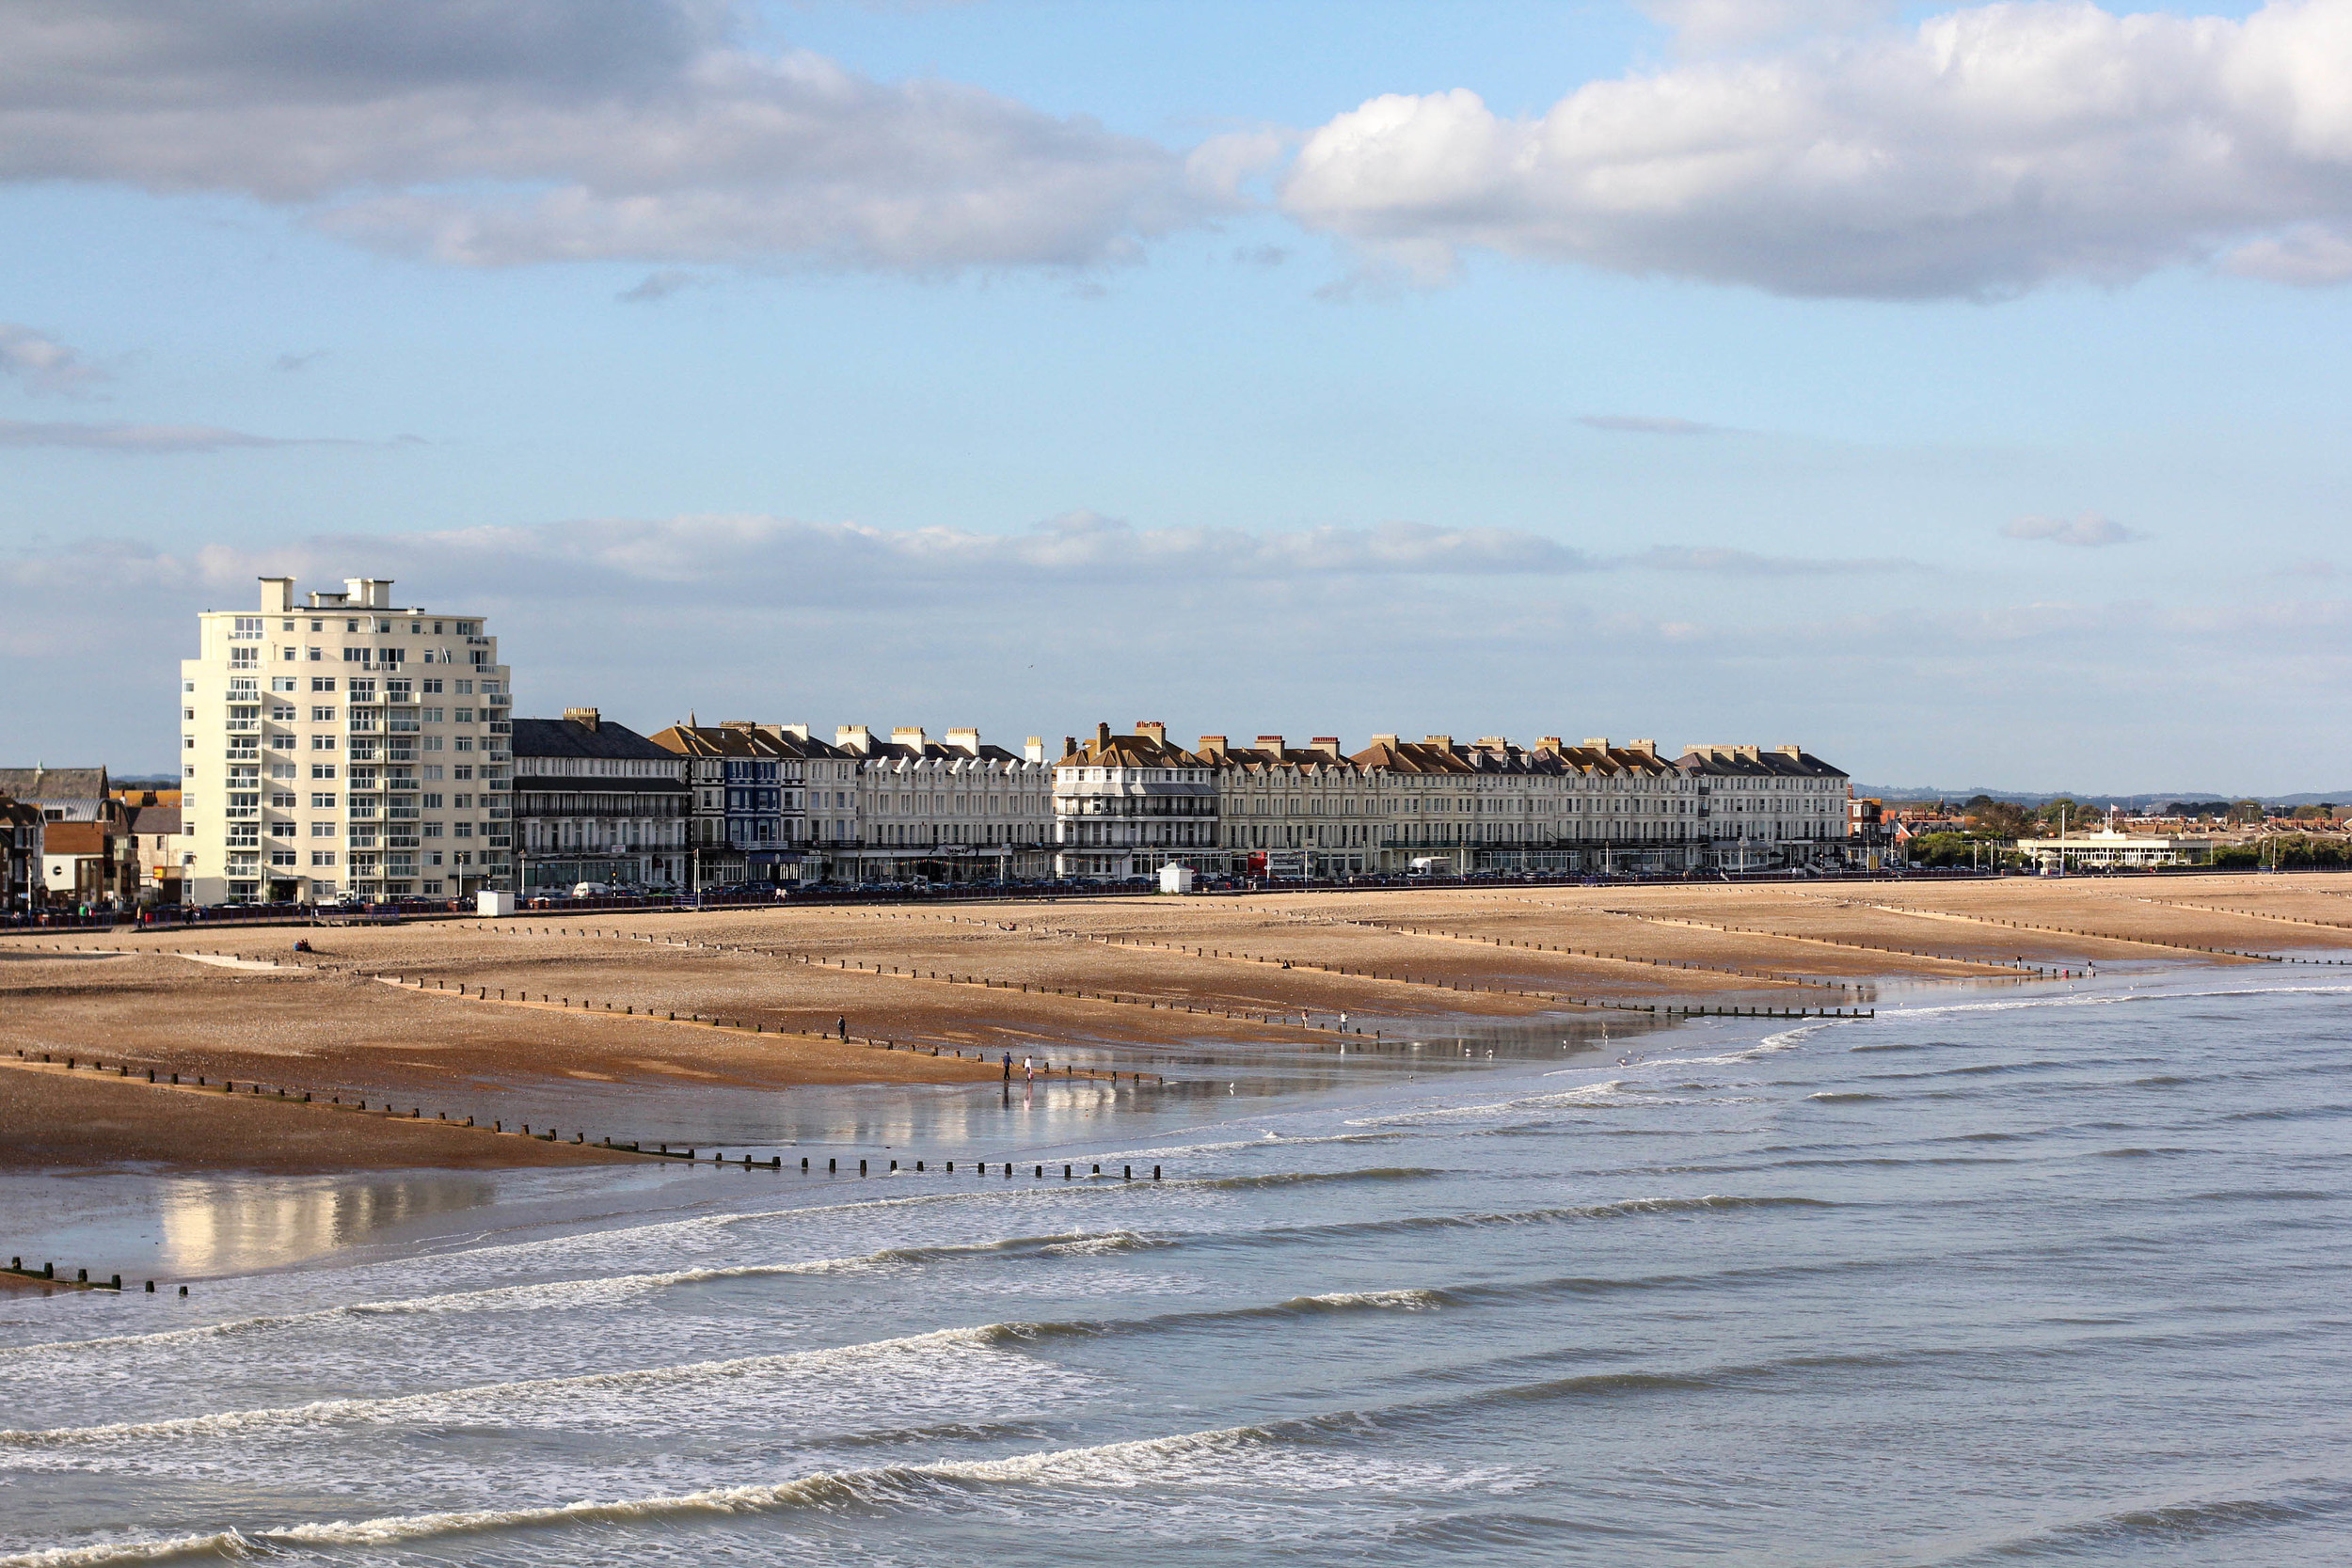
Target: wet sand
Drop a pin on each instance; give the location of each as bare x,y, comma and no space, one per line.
453,1015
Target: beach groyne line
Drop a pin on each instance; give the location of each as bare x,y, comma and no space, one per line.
157,1077
736,1027
588,1005
2093,936
2020,970
1392,977
226,1088
2251,914
1434,933
47,1275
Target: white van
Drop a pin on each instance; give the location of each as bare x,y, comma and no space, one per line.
590,890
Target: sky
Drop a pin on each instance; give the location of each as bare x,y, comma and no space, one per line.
1958,393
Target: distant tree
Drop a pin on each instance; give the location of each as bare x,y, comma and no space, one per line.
1939,850
2246,811
1994,818
2065,809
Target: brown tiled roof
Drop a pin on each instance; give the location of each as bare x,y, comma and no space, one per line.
54,783
724,740
73,838
153,820
1757,762
1132,751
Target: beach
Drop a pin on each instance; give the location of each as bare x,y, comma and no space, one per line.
598,1016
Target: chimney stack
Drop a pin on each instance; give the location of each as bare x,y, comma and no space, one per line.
586,718
1102,737
1328,744
1270,743
1153,730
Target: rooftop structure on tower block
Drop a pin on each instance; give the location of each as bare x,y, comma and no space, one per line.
343,745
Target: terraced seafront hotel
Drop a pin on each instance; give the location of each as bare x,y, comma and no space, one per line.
1127,804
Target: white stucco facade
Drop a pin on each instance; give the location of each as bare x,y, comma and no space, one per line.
343,745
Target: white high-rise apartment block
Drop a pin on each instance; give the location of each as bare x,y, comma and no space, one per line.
344,745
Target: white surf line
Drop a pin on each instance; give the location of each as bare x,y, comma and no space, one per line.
1124,1464
318,1411
542,1293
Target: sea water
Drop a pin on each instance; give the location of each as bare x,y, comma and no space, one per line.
2045,1277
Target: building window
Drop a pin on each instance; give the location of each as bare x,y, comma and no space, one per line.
322,829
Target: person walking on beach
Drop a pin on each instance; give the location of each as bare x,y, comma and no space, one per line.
1028,1070
1008,1066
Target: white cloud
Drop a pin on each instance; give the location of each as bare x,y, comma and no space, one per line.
1707,25
1747,563
2089,531
1987,150
151,440
769,561
1333,631
538,130
2310,256
43,364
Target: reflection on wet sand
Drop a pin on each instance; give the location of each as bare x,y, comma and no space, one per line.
224,1225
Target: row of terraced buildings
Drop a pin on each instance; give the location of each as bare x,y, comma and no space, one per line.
340,745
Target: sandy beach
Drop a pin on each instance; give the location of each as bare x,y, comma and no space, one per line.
448,1017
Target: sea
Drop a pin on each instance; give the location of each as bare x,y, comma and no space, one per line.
2039,1274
